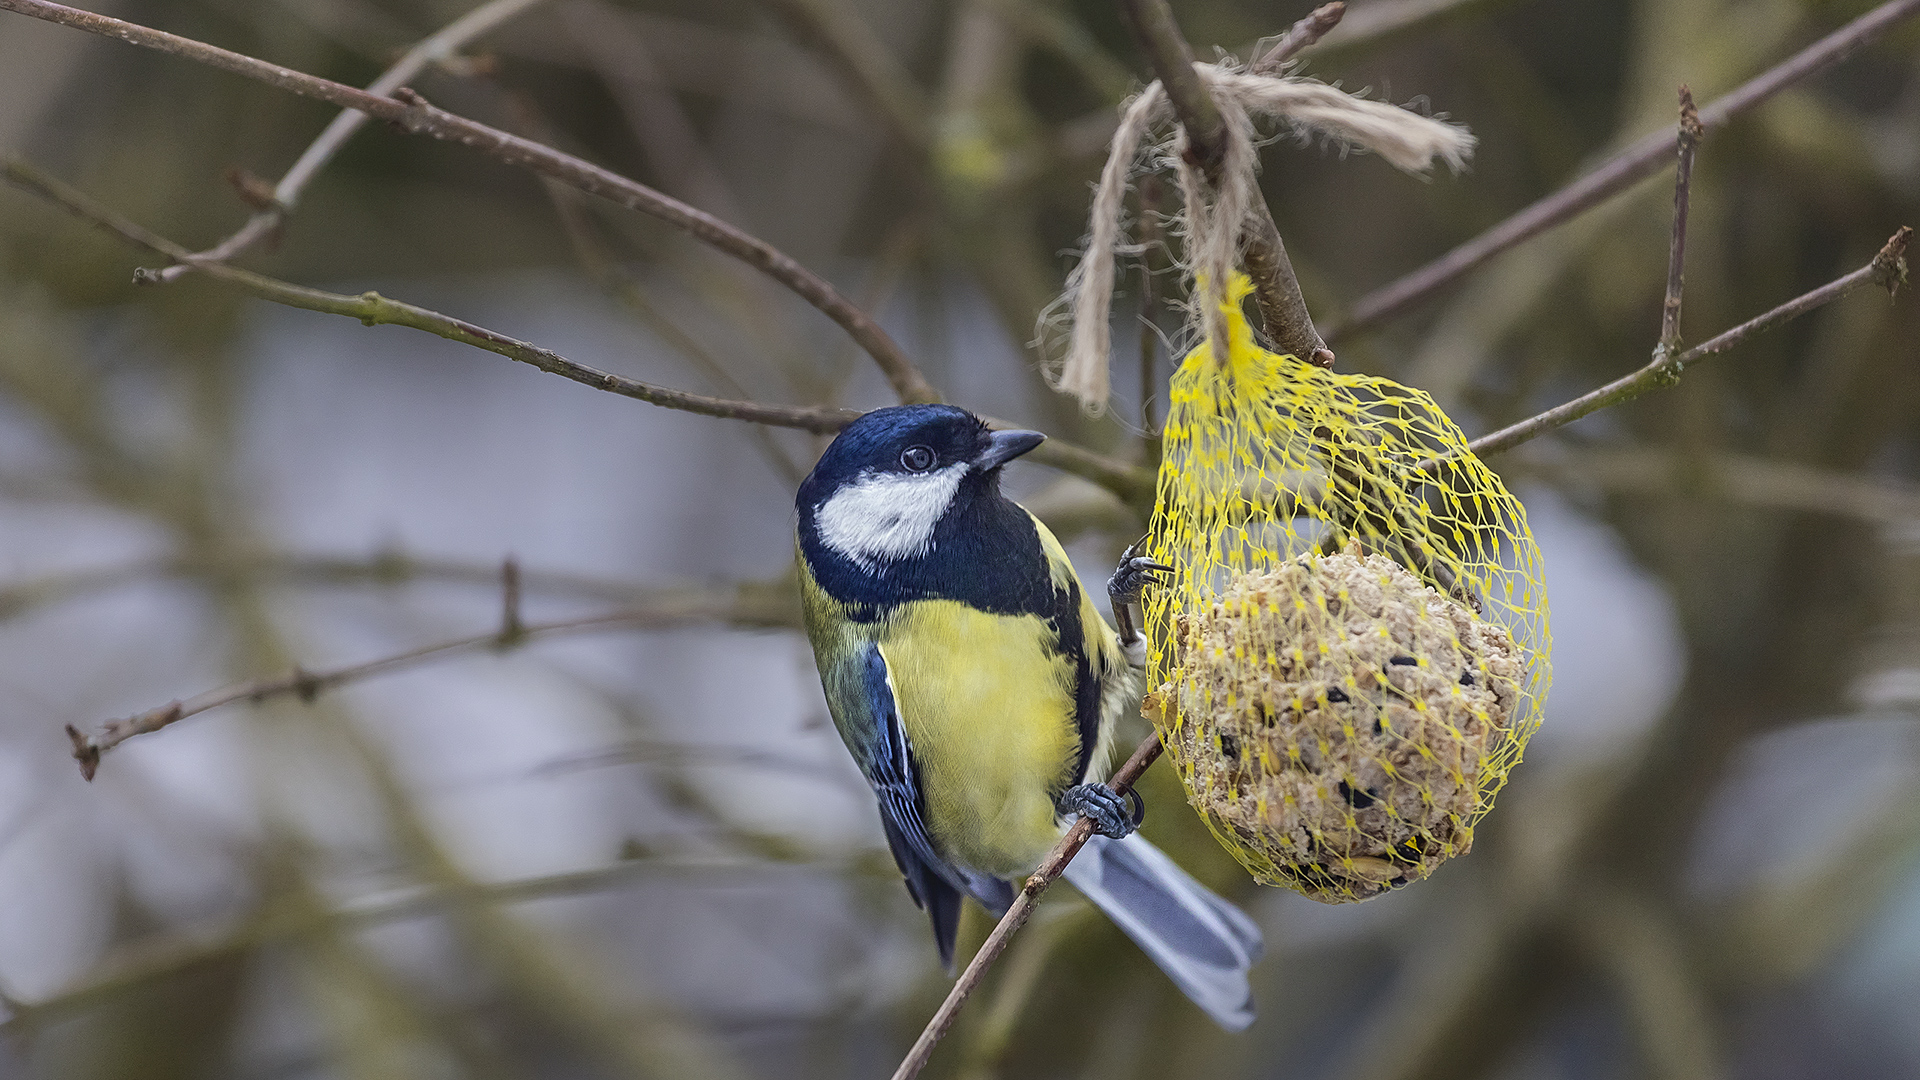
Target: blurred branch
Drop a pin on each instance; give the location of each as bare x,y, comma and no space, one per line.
286,194
1887,270
1379,19
866,63
748,604
1635,163
1044,25
1637,942
1738,478
1276,291
1017,916
413,114
384,569
621,57
146,964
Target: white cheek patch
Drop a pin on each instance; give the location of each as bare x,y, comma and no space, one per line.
886,517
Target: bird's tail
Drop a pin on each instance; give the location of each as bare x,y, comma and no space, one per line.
1204,944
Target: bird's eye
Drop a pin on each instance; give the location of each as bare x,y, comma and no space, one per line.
916,458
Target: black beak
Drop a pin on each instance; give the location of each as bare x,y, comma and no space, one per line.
1004,446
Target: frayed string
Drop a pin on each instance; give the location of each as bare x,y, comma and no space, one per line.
1213,219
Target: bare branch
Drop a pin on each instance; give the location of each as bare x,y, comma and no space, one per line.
1629,167
1017,916
413,114
1276,291
373,309
1302,34
286,194
1887,270
770,606
1131,483
1689,140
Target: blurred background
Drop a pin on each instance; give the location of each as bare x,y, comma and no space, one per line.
643,852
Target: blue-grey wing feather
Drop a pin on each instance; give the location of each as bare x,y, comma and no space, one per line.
889,765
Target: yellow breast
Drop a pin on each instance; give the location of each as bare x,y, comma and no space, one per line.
988,707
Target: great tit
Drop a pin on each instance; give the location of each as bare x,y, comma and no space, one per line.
977,686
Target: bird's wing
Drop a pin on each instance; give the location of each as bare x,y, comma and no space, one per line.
936,885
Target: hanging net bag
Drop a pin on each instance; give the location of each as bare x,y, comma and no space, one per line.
1352,651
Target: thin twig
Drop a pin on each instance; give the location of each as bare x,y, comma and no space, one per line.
1017,915
1627,168
1301,35
1887,270
286,194
753,605
1276,291
1689,140
412,113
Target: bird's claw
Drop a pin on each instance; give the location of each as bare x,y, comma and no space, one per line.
1129,580
1134,573
1114,816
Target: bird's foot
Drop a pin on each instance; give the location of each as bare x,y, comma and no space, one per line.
1133,575
1129,580
1114,816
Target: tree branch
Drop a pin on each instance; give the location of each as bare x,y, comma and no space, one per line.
373,309
753,605
286,194
1017,916
1301,35
413,114
1131,483
1629,167
1275,289
1689,140
1887,270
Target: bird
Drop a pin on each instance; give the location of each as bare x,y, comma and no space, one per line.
977,686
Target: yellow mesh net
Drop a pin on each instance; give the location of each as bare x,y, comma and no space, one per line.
1352,651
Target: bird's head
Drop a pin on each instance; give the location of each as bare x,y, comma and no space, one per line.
880,492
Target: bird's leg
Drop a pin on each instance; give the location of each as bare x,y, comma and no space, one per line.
1114,816
1129,580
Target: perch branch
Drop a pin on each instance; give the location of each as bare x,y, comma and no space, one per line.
768,606
373,309
1888,270
412,113
1617,174
1276,291
286,194
1017,916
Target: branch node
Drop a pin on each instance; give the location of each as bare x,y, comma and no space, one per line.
1890,265
85,752
419,112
